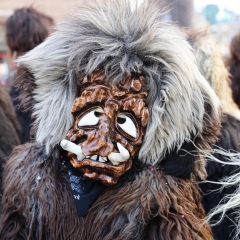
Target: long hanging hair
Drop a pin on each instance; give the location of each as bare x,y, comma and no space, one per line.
230,201
122,39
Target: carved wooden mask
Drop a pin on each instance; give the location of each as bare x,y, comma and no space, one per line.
109,126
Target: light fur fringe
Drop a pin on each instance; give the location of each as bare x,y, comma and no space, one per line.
211,65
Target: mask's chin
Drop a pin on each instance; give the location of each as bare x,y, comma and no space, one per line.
105,172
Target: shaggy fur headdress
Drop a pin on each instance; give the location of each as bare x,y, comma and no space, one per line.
211,65
114,36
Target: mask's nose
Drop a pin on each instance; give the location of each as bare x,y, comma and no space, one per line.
98,141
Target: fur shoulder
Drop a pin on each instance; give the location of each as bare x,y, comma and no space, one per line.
35,191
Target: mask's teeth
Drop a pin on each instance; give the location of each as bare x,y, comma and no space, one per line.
87,156
102,159
94,157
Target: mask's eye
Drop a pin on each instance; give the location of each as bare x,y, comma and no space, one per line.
127,125
91,118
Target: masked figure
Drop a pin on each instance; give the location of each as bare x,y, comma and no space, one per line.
123,119
212,67
25,29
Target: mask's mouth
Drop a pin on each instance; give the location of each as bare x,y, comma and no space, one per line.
113,158
104,168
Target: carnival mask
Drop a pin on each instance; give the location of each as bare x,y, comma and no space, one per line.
109,126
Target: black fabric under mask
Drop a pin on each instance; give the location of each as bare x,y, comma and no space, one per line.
85,191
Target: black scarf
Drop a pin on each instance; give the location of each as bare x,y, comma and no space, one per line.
85,191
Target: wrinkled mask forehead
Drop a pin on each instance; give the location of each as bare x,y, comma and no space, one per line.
109,126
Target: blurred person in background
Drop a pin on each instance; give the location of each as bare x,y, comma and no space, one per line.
213,69
25,29
234,67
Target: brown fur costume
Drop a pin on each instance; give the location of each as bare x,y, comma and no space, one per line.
168,207
9,128
158,198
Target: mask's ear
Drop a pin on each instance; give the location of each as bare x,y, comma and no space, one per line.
25,82
50,87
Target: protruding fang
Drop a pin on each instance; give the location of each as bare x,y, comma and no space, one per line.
94,157
123,156
72,147
124,152
87,156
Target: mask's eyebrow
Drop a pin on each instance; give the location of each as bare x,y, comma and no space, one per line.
132,87
90,95
137,105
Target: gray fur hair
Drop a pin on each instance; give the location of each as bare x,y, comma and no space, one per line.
211,65
230,201
123,40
